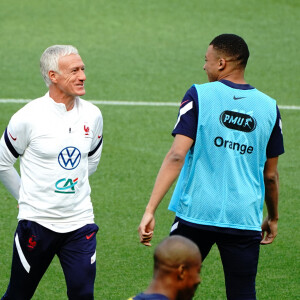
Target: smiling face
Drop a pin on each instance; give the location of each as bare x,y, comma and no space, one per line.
69,81
212,64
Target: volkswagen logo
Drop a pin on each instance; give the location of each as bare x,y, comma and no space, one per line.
69,158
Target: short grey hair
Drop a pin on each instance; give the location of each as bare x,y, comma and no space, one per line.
50,57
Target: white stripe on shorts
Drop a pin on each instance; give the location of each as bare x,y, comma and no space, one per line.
93,258
21,254
175,225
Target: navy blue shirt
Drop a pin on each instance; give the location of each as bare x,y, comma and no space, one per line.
187,123
143,296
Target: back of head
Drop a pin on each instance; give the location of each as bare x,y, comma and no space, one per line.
175,251
50,57
232,46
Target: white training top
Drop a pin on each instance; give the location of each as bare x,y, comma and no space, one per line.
58,151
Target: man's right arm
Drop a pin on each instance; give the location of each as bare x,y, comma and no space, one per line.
13,144
167,174
185,134
271,178
8,174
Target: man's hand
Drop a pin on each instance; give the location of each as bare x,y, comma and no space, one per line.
269,231
146,228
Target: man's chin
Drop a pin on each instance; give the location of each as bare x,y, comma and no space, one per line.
80,92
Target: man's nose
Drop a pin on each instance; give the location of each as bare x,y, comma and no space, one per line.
82,75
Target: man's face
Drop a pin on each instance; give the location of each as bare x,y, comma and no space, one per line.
211,65
71,76
190,284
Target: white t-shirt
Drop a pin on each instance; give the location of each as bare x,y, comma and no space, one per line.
58,150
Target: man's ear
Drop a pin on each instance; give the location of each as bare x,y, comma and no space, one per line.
182,269
222,64
52,76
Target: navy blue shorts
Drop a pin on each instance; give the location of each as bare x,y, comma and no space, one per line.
239,255
34,248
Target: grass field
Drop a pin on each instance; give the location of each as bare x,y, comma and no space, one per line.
152,51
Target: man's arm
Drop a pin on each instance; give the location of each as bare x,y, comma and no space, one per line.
167,174
8,174
12,181
97,145
94,157
271,178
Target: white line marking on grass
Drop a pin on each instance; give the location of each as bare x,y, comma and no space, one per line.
291,107
14,101
135,103
105,102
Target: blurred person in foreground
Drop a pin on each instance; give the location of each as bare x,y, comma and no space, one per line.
58,139
176,276
227,141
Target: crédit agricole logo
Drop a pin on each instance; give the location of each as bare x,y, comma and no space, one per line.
69,159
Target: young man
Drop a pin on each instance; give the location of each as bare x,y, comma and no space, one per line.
58,139
226,147
177,264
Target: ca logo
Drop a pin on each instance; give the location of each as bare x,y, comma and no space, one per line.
66,186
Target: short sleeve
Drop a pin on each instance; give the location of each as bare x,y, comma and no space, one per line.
275,145
187,119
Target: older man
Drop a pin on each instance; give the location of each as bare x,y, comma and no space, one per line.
58,139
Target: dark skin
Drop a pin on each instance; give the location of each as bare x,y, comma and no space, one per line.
271,178
220,66
217,66
177,269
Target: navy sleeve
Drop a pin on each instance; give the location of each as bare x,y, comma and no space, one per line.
275,145
187,120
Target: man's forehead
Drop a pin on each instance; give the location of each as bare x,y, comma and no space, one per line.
211,52
72,60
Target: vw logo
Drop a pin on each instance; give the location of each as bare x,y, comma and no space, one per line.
69,158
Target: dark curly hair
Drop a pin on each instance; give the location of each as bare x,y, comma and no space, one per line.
232,45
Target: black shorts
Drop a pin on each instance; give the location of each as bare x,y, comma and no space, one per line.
239,254
34,248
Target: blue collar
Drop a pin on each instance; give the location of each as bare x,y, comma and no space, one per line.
236,85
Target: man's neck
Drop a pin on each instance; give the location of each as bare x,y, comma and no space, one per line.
68,101
164,288
235,76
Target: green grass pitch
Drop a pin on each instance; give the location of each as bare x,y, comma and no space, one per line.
152,51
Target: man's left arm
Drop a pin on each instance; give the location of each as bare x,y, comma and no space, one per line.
271,178
97,145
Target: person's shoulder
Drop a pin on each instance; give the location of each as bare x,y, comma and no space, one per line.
264,96
89,109
205,86
143,296
35,103
202,89
88,106
30,109
193,90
